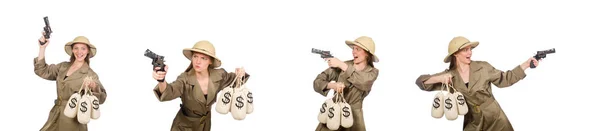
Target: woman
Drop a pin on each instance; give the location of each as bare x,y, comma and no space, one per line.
197,87
473,79
353,77
69,77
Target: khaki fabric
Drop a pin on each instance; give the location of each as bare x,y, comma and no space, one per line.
484,113
194,114
57,121
358,85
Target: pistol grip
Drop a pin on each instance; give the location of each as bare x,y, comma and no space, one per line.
162,68
531,65
42,43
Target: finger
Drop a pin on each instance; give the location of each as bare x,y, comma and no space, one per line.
166,68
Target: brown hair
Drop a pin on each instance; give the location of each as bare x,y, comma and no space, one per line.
370,60
191,66
87,57
452,62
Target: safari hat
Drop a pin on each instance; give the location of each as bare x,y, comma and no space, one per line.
458,43
203,47
365,43
83,40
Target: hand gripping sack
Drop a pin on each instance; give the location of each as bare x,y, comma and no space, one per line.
95,106
72,104
224,100
249,100
437,110
346,113
333,116
461,102
84,111
450,108
323,112
239,104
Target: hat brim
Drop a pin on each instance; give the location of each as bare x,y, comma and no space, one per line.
69,50
472,44
351,43
187,52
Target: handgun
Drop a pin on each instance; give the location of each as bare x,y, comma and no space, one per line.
540,55
47,30
324,54
157,61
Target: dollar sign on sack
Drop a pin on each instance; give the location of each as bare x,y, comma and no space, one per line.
83,107
95,104
323,107
331,110
73,103
240,102
250,98
448,103
227,98
460,99
346,111
436,102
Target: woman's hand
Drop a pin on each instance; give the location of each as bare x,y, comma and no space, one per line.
240,72
337,63
159,75
337,86
43,40
445,78
527,63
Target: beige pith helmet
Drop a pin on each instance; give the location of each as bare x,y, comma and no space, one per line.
83,40
458,43
365,43
204,47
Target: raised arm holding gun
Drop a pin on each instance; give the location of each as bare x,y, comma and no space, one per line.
47,31
157,61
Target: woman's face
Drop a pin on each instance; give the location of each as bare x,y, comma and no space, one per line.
80,51
464,55
359,54
200,61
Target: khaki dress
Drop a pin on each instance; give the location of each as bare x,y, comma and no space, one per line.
485,113
194,114
358,85
65,87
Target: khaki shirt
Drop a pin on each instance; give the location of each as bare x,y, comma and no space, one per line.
195,109
358,85
484,111
57,121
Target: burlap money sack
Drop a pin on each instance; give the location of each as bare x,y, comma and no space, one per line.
84,110
461,102
449,104
323,111
94,101
345,113
249,99
224,99
72,104
437,110
238,103
333,114
95,106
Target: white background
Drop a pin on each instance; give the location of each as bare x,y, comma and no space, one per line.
272,41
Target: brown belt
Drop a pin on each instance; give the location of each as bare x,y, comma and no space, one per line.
192,113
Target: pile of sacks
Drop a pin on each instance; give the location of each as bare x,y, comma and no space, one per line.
451,104
336,112
83,104
237,99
